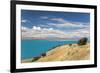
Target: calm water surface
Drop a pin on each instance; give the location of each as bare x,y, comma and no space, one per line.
34,48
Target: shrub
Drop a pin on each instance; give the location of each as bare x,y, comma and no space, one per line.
82,41
43,54
35,59
70,44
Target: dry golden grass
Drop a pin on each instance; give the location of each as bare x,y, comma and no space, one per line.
67,52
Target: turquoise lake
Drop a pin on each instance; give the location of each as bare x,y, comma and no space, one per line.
34,48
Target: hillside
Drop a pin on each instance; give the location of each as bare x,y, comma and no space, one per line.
65,52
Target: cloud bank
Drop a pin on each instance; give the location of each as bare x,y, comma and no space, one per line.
62,30
50,33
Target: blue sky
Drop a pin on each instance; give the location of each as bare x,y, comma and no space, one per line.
67,22
35,17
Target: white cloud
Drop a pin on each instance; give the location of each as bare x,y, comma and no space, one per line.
24,28
23,21
48,31
80,33
64,23
45,33
38,32
36,28
44,17
58,19
69,24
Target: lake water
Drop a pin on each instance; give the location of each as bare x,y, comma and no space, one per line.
34,48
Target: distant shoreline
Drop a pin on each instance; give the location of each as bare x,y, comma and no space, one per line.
51,39
54,39
31,38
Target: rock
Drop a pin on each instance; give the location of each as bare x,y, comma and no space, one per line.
82,41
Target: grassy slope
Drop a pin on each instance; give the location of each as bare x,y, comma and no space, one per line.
65,52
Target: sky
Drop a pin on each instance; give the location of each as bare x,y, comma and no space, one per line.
51,24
